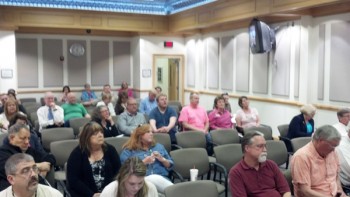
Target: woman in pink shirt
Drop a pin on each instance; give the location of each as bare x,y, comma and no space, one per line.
125,88
220,118
246,117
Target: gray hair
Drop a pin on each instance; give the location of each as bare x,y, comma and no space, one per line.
308,109
14,160
326,132
14,129
247,139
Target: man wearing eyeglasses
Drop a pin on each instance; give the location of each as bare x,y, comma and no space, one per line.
130,119
315,167
22,174
254,175
19,136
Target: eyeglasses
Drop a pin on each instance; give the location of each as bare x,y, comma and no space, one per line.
28,170
331,145
260,146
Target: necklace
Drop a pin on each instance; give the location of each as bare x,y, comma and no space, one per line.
13,193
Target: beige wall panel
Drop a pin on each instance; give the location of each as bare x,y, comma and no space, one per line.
46,18
183,21
121,22
91,20
297,4
234,10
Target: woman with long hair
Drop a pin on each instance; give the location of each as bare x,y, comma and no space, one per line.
10,109
101,116
142,145
93,164
130,181
120,106
65,91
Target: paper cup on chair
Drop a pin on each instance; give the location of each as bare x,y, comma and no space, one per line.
194,174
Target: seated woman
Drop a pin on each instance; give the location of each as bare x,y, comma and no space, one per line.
64,98
10,109
220,118
12,94
120,106
125,88
92,164
303,124
247,116
106,101
101,116
130,181
142,145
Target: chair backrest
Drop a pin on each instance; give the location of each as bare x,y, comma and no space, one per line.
175,104
2,137
62,149
191,139
228,155
277,151
76,123
117,142
224,136
33,117
287,174
283,129
164,139
263,129
28,100
115,119
185,159
55,134
202,188
299,142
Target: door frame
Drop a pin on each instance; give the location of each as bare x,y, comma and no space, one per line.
181,71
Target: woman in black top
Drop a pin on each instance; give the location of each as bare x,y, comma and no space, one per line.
102,116
121,102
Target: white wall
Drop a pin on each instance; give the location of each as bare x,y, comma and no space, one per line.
8,59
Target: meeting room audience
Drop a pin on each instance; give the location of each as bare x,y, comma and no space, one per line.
72,109
23,174
141,144
19,140
163,118
125,88
149,103
131,181
130,118
93,164
343,115
10,109
65,91
220,117
50,115
107,90
302,125
255,175
107,101
122,101
246,116
315,166
34,141
88,97
101,116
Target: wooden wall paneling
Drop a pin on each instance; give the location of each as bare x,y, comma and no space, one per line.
242,62
226,59
99,63
213,62
27,62
52,64
121,62
339,89
77,66
260,73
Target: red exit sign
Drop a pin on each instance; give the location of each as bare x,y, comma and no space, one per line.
168,44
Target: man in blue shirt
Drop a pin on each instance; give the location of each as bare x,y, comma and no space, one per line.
163,118
148,103
88,97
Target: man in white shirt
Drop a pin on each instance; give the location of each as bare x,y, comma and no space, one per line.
50,115
22,173
344,118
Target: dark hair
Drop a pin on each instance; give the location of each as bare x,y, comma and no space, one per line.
247,139
158,87
341,112
217,99
240,100
12,92
18,116
64,87
89,130
122,95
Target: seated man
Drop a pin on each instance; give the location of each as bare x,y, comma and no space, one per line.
130,119
149,103
254,175
72,109
343,118
19,136
163,118
315,167
22,174
88,97
50,115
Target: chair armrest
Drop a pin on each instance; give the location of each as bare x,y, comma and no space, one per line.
174,174
221,167
176,146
